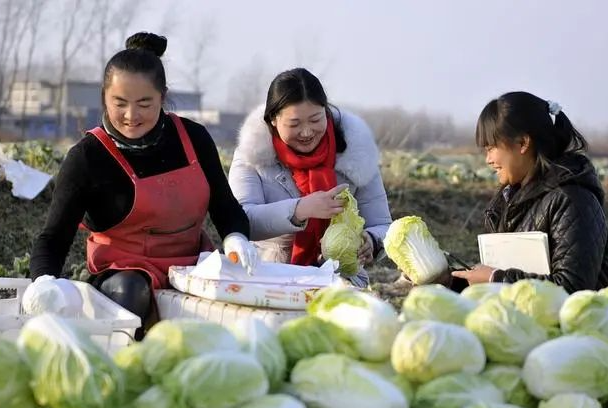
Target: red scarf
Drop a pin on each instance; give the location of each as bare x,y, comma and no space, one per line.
314,172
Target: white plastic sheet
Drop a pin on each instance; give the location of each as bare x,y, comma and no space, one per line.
27,181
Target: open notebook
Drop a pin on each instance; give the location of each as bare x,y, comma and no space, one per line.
528,251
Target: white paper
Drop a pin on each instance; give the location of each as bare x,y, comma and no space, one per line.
27,182
215,266
528,251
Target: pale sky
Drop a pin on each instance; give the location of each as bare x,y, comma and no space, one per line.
441,56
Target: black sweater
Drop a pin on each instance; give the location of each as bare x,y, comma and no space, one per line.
93,188
566,203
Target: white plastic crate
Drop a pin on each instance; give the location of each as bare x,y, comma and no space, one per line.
109,324
173,304
14,289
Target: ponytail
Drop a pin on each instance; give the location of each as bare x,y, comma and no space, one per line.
569,139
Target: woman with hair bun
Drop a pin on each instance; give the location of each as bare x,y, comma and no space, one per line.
548,185
141,183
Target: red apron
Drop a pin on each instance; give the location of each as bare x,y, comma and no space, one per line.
165,224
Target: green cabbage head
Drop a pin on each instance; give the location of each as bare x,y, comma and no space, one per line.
436,302
68,369
539,299
218,379
371,322
570,363
171,341
482,291
411,246
154,397
386,370
309,335
256,338
274,401
15,378
508,379
572,400
456,391
336,381
131,360
342,239
507,334
425,349
585,311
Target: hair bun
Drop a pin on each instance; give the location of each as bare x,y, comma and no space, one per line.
157,44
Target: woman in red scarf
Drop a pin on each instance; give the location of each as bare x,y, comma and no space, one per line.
294,155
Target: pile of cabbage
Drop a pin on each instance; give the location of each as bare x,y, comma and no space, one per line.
495,345
527,344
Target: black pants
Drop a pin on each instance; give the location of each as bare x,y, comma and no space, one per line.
129,288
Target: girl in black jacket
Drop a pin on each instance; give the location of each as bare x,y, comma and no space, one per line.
548,185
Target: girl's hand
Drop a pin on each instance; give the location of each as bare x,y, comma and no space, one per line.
479,274
366,250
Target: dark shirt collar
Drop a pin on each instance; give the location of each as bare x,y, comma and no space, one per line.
149,139
509,191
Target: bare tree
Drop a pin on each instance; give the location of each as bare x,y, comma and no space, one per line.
114,19
33,26
169,21
12,17
123,18
308,53
395,128
77,29
198,68
103,14
248,86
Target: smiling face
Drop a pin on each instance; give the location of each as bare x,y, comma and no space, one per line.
301,126
132,103
513,162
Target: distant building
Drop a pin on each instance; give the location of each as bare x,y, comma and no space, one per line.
223,126
81,102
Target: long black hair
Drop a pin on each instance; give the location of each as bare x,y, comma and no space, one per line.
141,56
515,114
295,86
